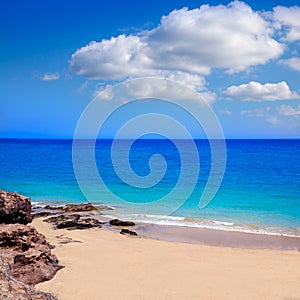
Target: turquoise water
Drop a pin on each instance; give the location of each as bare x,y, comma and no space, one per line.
260,190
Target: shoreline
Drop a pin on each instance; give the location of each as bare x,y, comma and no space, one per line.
212,237
104,263
220,237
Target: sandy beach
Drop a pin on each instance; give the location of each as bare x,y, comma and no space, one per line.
102,264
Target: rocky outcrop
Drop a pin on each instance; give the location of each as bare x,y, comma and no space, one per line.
13,289
14,208
74,221
128,232
28,253
117,222
25,255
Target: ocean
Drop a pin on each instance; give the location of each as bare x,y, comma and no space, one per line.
260,189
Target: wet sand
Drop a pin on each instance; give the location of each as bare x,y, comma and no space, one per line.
221,238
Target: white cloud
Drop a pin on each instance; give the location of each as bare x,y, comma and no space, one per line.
258,112
113,59
154,87
83,87
293,63
191,80
288,19
225,112
287,110
273,120
231,37
50,77
255,91
105,93
265,113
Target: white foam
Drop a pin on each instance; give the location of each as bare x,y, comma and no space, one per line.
200,223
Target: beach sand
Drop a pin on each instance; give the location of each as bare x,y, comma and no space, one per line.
102,264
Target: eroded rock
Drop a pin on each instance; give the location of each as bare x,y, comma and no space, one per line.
14,208
27,253
13,289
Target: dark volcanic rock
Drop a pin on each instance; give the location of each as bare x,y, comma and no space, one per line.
62,218
80,207
117,222
75,207
13,289
128,232
27,253
93,222
74,221
14,208
73,225
43,211
50,207
42,214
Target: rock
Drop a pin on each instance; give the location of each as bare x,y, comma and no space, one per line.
74,221
73,207
14,208
13,289
50,207
128,232
62,218
117,222
42,211
91,221
27,253
71,225
80,207
42,214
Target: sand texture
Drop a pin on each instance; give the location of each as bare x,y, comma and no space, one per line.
101,264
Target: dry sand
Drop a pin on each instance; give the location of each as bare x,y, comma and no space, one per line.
107,265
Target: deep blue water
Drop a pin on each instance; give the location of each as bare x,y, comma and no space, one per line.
260,190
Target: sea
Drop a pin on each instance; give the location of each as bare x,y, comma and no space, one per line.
259,191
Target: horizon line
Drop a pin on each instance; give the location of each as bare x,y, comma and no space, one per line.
110,139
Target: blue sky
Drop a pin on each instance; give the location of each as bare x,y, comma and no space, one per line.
243,57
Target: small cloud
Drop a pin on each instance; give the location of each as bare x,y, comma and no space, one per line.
255,91
264,113
293,63
50,77
105,93
83,87
258,112
287,110
225,112
273,120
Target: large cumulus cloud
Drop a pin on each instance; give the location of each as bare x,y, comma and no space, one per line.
231,37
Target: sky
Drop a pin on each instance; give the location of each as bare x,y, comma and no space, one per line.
243,58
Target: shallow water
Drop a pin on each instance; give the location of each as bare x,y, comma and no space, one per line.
260,191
